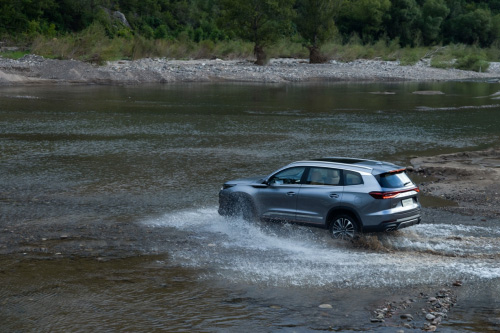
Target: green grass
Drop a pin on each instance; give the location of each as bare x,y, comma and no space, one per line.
14,54
94,45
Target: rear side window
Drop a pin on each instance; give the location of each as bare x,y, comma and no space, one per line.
352,178
394,180
323,176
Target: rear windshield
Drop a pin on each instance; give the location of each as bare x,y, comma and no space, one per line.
394,180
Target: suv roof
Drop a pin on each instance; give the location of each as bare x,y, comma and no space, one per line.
375,167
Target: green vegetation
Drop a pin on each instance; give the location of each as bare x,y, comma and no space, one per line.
452,33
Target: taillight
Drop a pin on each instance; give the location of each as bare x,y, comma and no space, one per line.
390,194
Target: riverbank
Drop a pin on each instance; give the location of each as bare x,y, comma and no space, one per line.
32,69
469,180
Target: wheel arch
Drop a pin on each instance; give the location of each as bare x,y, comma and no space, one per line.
242,198
343,210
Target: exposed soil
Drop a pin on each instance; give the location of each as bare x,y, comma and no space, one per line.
470,179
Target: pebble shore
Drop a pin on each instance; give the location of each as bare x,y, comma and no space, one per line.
32,69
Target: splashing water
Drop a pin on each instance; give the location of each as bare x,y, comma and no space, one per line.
285,254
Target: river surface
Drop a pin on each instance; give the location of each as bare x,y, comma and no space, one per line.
112,193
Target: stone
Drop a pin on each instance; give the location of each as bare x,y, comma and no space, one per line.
407,316
428,92
326,306
430,328
376,320
430,316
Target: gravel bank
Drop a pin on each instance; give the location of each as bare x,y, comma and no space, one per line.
471,179
33,69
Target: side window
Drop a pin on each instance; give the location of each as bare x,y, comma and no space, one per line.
352,178
288,176
323,176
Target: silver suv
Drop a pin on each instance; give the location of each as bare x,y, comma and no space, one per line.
345,195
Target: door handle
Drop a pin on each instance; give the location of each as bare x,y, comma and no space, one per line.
334,195
290,194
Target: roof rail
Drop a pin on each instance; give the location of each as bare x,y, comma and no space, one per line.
348,162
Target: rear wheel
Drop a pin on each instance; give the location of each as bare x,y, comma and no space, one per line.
344,227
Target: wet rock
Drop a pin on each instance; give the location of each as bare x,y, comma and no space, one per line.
326,306
407,317
430,317
457,283
430,328
383,93
436,321
428,92
377,320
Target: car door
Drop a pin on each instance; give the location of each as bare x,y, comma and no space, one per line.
322,190
278,201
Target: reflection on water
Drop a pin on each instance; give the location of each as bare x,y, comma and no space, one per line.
156,156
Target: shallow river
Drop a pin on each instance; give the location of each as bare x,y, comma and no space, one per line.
150,160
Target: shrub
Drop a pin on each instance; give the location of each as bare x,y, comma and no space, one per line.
472,62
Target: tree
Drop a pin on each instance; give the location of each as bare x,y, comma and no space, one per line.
403,21
19,16
434,12
473,27
315,23
259,21
364,17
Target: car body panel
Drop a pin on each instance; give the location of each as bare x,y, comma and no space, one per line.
278,201
313,192
314,202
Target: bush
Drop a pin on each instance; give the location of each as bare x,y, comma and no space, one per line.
410,56
473,62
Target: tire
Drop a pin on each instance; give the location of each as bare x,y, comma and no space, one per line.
344,227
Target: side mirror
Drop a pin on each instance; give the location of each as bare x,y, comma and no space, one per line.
264,184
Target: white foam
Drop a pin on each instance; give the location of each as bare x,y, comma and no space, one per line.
293,255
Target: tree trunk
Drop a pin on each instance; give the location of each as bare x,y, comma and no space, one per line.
260,55
315,57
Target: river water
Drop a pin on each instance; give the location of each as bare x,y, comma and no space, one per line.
112,193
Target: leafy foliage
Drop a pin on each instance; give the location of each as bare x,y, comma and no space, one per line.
207,24
315,23
259,21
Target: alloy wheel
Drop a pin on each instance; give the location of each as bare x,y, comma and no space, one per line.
343,228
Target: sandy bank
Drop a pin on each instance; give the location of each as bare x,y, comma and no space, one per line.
33,69
470,179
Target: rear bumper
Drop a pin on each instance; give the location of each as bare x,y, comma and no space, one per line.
396,224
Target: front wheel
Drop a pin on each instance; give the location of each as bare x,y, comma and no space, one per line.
344,227
245,208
